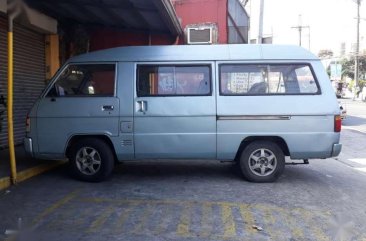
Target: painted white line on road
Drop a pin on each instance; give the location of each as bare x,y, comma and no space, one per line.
361,169
354,129
361,161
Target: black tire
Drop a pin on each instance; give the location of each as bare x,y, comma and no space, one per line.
90,166
262,161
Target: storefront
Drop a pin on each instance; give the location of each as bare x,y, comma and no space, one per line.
29,75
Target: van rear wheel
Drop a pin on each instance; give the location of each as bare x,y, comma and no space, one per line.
262,161
91,160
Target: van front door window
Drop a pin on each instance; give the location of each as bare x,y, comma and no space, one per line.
85,80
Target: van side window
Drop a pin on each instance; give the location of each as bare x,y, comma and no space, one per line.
85,80
154,80
267,79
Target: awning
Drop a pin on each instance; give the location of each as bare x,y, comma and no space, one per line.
144,15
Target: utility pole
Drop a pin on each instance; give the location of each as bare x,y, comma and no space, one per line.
309,36
300,27
14,10
260,29
357,47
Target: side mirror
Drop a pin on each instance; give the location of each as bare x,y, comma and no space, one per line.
52,93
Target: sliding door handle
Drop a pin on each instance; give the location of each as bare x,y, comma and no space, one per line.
141,106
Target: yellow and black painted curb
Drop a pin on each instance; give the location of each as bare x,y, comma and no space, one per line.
5,182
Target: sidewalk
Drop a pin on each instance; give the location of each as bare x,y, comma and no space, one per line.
361,96
27,167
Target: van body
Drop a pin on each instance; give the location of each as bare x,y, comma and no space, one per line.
254,104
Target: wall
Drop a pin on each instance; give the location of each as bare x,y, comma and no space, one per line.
202,11
238,23
29,75
103,38
188,11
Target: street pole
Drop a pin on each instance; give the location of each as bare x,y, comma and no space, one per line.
13,11
357,48
299,28
13,166
309,37
260,29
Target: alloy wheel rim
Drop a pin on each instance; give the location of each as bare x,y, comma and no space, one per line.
88,160
262,162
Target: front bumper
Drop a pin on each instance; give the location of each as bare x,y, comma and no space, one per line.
336,149
28,146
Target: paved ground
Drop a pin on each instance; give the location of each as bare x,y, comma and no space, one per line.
356,118
197,200
23,161
26,167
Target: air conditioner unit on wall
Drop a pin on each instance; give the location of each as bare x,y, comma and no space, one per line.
201,35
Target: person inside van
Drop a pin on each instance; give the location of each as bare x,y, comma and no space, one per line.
258,88
204,86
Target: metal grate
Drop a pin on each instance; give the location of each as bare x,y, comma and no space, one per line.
126,142
29,75
199,35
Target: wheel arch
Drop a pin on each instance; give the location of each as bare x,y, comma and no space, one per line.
275,139
78,137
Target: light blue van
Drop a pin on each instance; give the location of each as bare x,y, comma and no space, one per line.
252,104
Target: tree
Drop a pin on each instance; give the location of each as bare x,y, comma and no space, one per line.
348,66
325,53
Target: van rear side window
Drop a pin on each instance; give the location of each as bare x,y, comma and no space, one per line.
85,80
153,80
267,79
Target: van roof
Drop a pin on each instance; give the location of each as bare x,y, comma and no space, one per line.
198,53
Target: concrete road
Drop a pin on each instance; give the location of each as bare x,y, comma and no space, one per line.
196,200
356,115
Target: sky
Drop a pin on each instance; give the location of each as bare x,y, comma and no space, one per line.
331,22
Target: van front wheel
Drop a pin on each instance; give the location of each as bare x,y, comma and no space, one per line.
262,161
91,160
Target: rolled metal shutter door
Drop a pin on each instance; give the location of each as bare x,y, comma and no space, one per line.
29,77
3,79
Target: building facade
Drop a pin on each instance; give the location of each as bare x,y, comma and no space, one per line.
212,21
47,34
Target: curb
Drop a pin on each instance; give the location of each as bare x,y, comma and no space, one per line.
5,182
353,129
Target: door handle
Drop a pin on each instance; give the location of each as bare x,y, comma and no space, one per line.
107,107
142,106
